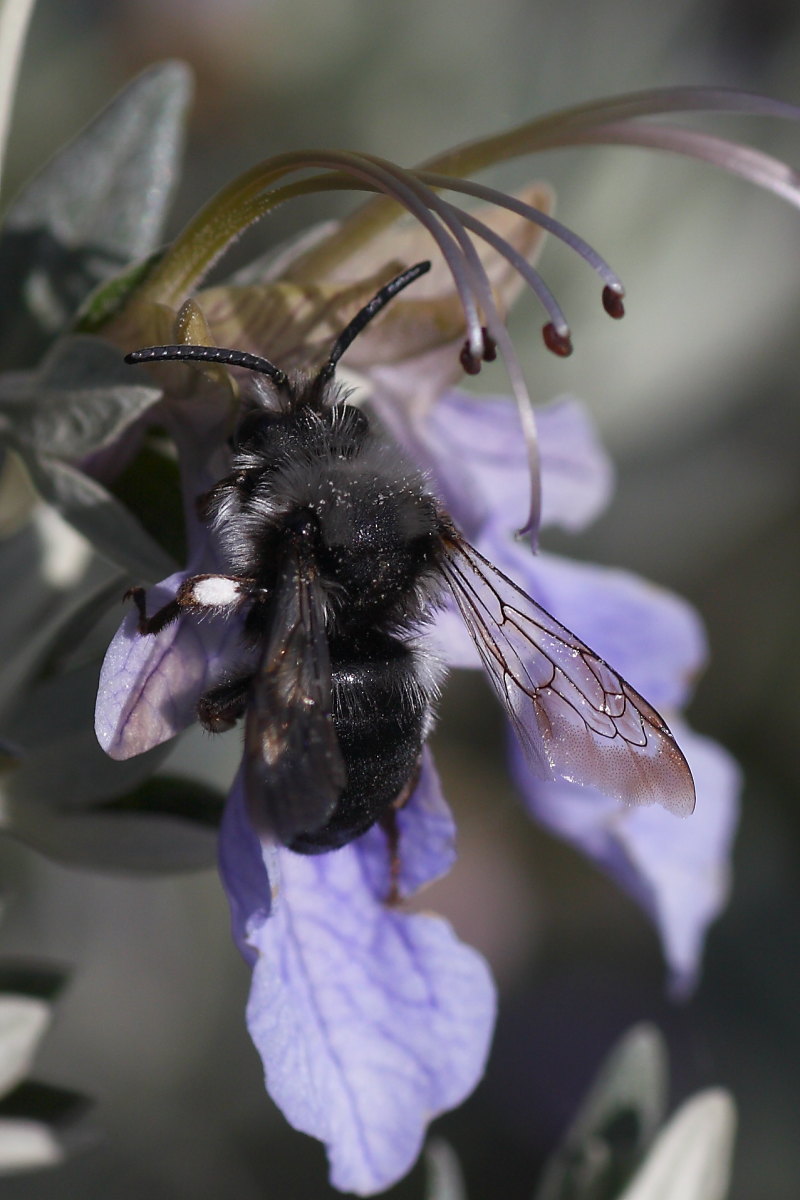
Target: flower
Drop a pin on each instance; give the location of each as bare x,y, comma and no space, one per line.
336,972
370,1020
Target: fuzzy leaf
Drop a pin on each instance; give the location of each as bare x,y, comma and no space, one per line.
39,1125
98,204
27,1145
445,1181
615,1124
691,1157
23,1021
94,512
81,399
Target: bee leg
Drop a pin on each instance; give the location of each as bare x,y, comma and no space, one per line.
388,823
222,706
220,594
156,623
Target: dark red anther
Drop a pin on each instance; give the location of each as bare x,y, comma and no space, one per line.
469,362
558,343
612,303
489,346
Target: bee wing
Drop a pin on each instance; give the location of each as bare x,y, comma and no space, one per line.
294,770
577,719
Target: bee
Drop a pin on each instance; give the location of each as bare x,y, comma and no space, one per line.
337,554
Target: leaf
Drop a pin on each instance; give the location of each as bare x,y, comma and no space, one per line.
29,977
109,189
81,399
39,1125
170,796
93,511
113,842
615,1123
445,1181
98,204
691,1157
14,18
27,1145
23,1021
63,768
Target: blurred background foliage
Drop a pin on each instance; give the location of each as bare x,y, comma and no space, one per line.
695,393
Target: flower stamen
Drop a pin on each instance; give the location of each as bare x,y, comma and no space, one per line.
563,233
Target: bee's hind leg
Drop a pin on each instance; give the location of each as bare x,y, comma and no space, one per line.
222,706
389,825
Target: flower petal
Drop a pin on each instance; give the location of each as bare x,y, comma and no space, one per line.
149,685
677,870
369,1022
244,871
474,450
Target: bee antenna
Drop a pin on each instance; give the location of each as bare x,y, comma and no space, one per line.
370,310
214,354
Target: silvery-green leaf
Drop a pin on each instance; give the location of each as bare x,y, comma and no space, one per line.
80,399
109,188
55,597
691,1157
94,512
26,1145
32,978
73,803
96,206
39,1125
82,617
63,767
445,1181
112,841
615,1123
23,1021
14,18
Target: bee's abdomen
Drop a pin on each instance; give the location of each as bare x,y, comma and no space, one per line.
382,712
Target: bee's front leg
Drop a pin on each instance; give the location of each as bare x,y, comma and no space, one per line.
218,595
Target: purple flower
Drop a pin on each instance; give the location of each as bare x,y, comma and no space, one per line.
369,1020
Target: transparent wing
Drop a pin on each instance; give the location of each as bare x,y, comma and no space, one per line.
294,770
576,718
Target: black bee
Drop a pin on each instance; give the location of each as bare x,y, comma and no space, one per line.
336,554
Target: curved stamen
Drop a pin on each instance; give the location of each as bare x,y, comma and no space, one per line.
556,228
521,265
763,170
556,129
